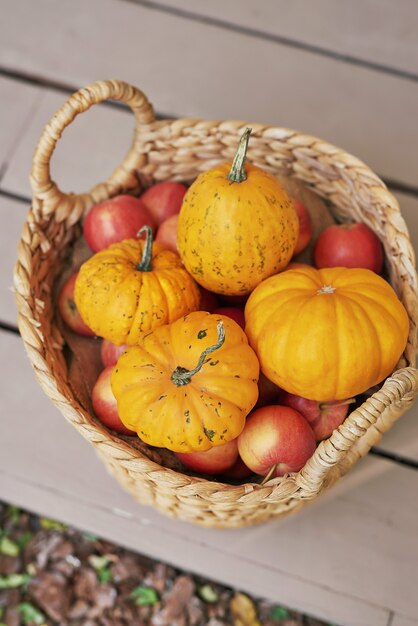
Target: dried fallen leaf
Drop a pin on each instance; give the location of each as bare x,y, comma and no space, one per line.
243,611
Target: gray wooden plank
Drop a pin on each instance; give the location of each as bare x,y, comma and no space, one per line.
409,209
12,217
207,559
366,112
305,561
403,436
382,33
90,148
17,101
399,620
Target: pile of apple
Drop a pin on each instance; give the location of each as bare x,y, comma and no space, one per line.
284,429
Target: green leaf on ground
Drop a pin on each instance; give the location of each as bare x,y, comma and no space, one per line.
14,580
13,514
31,569
8,547
52,524
30,614
208,594
101,566
279,612
99,562
90,536
24,539
104,575
144,596
1,612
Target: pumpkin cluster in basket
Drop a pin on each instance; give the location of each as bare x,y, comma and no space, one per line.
217,342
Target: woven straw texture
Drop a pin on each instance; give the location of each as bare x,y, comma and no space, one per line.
180,150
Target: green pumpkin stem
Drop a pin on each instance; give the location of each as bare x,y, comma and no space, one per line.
145,264
237,172
181,376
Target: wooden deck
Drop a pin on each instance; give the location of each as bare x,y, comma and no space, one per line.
347,73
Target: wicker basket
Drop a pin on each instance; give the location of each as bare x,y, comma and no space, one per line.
179,150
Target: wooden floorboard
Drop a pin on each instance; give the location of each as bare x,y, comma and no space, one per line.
351,557
17,104
365,112
379,34
90,148
303,561
12,218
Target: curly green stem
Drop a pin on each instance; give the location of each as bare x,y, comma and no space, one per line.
182,376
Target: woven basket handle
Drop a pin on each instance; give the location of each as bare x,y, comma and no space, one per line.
47,195
362,429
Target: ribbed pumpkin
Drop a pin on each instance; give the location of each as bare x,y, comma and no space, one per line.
132,287
326,334
237,226
189,385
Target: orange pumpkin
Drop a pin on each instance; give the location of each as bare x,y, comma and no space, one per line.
326,334
132,287
189,385
237,226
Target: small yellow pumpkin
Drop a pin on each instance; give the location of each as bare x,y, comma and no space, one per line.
237,226
326,334
132,287
189,385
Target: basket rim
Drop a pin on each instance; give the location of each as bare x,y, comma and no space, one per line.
58,212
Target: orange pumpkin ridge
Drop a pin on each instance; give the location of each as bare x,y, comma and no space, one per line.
237,226
132,287
187,386
326,334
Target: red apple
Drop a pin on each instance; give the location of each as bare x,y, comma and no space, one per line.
214,461
238,471
208,300
114,220
105,405
305,226
167,233
276,438
348,245
164,199
323,418
110,352
68,310
233,312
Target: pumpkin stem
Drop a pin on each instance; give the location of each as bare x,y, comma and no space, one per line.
145,263
237,172
181,376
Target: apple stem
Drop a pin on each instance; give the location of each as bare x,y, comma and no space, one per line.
181,376
269,474
325,405
237,172
145,263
